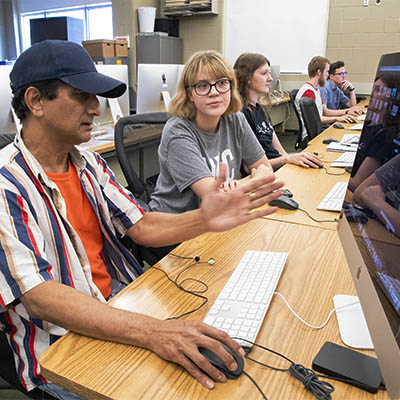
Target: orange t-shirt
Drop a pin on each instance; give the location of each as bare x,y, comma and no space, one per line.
82,217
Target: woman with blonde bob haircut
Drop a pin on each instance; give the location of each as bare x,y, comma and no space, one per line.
206,128
211,63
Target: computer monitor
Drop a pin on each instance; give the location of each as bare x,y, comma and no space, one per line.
105,119
7,124
276,76
153,80
372,249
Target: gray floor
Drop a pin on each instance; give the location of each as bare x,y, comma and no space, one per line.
12,395
287,139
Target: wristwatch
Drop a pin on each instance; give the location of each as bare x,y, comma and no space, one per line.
351,89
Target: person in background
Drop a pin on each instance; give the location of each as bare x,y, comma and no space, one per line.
206,128
318,73
63,213
333,94
253,72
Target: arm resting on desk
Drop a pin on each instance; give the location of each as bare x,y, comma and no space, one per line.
175,340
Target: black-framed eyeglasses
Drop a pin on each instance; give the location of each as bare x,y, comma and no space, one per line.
203,88
341,73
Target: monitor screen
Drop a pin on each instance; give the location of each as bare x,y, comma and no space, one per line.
372,243
276,75
7,124
153,79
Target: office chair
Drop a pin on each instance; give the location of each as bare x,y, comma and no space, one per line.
140,189
6,138
311,118
135,184
9,375
299,142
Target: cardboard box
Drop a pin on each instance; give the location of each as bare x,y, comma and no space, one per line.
121,48
99,48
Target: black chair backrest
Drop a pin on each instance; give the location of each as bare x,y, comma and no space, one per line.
6,138
299,143
135,184
9,374
311,118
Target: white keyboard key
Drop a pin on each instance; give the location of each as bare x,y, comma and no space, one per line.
253,283
333,201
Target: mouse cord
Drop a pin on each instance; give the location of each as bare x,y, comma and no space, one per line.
320,389
179,285
256,385
330,173
318,220
308,324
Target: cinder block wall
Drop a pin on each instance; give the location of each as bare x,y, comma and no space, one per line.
359,35
203,32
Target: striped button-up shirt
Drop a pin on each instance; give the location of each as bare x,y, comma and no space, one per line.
38,244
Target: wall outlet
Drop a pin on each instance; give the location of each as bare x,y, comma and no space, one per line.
365,3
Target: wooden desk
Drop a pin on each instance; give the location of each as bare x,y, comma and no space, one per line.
103,370
141,145
310,186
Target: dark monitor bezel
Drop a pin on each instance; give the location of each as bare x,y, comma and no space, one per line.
384,339
385,344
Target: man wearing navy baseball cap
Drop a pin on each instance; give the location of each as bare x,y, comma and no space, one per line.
63,212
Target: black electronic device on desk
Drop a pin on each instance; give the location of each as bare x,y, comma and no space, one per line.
356,368
220,365
330,140
285,202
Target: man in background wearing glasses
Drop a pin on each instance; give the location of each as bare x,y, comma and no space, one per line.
333,94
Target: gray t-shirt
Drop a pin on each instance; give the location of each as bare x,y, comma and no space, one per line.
187,154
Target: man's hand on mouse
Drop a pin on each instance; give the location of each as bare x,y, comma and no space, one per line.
178,341
305,160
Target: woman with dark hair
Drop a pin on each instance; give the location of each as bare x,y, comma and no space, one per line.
253,73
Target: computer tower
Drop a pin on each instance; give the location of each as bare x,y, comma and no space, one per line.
61,28
156,49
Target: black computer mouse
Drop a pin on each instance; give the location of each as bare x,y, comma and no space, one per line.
219,364
285,202
287,193
329,140
338,126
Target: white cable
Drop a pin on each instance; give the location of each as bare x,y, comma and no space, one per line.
306,323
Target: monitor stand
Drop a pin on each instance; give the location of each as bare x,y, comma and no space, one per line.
115,109
352,325
16,120
166,98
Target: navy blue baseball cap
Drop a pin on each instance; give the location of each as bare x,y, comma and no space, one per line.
67,61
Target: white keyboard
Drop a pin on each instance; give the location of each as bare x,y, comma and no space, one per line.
357,127
333,201
243,302
345,160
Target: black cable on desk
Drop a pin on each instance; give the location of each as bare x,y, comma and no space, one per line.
320,389
256,385
179,285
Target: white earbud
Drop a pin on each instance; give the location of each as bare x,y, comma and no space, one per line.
211,261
